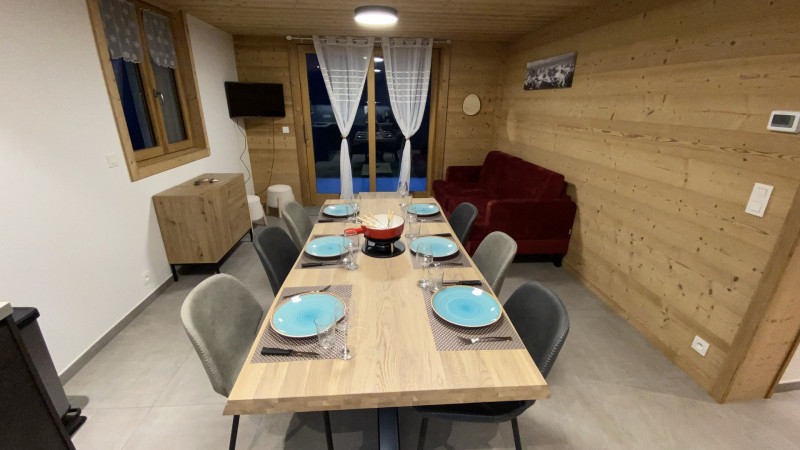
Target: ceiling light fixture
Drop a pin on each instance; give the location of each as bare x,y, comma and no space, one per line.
376,15
378,59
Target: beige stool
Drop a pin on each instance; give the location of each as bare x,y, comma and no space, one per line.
256,210
278,195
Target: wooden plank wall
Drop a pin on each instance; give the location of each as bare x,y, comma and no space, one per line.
475,68
273,155
661,138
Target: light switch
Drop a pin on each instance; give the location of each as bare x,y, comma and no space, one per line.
759,198
285,130
112,160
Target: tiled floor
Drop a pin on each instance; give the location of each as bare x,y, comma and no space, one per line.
610,389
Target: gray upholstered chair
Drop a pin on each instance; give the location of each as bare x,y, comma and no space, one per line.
277,253
493,256
297,222
543,324
461,220
222,319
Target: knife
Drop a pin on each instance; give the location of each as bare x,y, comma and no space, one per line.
324,220
464,282
318,264
285,352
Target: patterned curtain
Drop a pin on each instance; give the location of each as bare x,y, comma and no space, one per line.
121,29
159,39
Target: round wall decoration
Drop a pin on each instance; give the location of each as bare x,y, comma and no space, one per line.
471,105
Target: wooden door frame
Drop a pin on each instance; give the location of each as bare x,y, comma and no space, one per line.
439,86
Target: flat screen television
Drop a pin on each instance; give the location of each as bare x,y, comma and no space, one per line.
254,99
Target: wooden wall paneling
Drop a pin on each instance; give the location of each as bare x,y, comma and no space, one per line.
300,135
661,138
273,155
440,131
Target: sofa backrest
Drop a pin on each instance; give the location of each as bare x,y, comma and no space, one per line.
511,177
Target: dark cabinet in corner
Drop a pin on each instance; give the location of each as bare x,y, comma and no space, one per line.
201,221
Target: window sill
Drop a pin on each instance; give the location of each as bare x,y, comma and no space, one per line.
153,166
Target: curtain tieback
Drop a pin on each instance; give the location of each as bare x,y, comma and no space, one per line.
344,137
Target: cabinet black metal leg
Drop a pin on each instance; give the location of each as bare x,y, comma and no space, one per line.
216,268
174,272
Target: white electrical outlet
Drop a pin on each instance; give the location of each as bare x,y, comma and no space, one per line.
700,346
285,130
145,277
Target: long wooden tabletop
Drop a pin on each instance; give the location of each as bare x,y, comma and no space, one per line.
396,362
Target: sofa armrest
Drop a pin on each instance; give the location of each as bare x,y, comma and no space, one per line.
463,173
532,219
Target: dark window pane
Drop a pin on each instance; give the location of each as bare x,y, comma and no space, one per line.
134,105
327,139
390,140
170,102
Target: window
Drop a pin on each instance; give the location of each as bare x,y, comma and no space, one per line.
147,64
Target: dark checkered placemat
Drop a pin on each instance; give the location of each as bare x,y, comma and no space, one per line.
457,260
329,263
438,217
272,339
445,334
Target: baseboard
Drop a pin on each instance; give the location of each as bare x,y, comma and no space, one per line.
90,353
788,386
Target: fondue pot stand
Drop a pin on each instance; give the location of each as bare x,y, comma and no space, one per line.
382,242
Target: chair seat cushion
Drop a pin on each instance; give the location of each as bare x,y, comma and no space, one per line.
495,412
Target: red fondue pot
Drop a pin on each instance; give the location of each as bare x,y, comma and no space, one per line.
392,232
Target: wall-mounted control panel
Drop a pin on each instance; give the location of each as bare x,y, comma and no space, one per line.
784,121
759,199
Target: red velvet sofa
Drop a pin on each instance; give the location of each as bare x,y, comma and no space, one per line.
513,196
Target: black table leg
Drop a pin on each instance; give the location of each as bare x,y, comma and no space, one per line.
388,429
174,272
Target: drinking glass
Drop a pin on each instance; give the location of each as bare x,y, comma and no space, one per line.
325,323
412,225
350,244
343,326
436,276
424,259
355,203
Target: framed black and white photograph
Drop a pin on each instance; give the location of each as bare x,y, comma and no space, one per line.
551,73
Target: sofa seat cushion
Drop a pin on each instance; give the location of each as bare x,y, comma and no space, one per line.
458,193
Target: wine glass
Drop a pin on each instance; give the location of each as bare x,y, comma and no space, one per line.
424,259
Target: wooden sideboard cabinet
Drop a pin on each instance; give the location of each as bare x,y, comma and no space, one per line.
201,223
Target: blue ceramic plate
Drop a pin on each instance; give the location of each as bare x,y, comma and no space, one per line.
442,247
325,247
295,318
338,210
423,209
466,306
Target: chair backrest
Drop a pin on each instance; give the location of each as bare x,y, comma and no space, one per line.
461,220
541,321
493,257
277,253
298,223
222,319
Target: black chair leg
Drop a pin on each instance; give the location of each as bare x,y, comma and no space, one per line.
326,416
423,429
234,432
515,428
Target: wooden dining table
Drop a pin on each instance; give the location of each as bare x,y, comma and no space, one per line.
395,360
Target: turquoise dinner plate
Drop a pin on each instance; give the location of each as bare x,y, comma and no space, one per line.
338,210
325,247
423,209
295,318
442,247
466,306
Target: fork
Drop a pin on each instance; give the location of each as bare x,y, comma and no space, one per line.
308,292
475,340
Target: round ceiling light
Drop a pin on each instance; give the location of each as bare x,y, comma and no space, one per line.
376,15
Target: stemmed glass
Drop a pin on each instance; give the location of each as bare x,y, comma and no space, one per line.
343,326
351,243
424,259
355,204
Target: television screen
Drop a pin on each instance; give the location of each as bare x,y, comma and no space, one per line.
254,99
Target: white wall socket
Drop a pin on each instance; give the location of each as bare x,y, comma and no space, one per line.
112,160
285,130
700,346
145,277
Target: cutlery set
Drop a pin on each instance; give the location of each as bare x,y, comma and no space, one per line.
325,289
475,340
285,352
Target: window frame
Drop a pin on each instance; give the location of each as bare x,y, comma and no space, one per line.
143,163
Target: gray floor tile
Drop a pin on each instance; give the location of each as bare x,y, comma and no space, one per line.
108,428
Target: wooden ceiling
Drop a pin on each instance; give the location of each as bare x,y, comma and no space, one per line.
475,20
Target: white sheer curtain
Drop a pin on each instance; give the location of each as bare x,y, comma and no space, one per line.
344,63
121,29
408,73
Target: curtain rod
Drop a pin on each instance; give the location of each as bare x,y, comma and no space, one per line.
377,39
